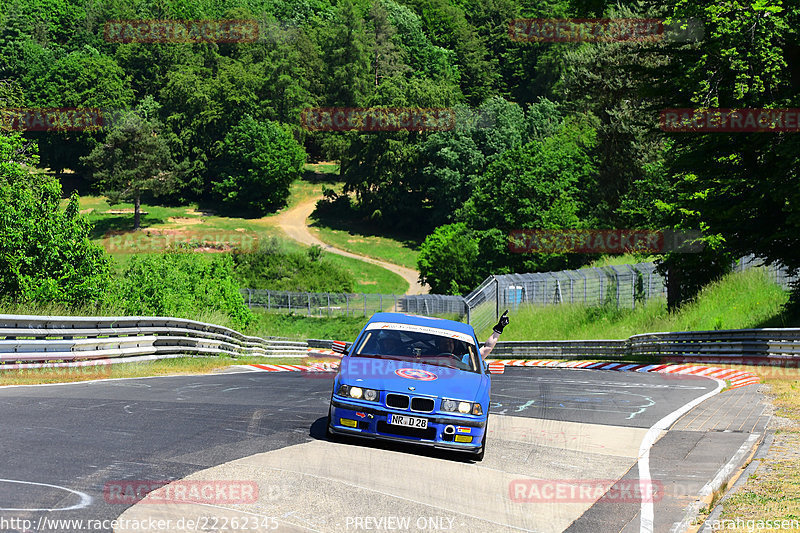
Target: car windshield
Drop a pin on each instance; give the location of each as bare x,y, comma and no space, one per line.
454,351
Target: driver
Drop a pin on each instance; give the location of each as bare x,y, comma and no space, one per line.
446,345
391,345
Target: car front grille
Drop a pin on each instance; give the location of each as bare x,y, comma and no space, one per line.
423,405
398,401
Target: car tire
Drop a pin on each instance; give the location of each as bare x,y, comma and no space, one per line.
328,432
480,454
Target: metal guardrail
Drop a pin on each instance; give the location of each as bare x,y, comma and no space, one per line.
773,345
51,338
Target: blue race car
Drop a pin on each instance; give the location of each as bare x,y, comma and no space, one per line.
413,379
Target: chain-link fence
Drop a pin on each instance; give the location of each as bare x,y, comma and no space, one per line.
619,285
778,273
623,286
322,303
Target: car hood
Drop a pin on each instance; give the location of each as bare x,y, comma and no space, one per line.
398,376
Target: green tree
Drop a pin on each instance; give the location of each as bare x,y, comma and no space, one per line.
81,78
134,160
45,252
741,189
348,58
535,186
260,161
447,260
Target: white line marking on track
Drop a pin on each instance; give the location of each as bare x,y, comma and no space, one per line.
86,500
647,512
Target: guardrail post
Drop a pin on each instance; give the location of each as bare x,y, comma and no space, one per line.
329,304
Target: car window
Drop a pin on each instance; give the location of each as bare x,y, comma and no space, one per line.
427,348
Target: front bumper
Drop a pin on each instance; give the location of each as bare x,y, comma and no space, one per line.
372,423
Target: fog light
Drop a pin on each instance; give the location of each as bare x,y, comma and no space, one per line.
350,423
463,438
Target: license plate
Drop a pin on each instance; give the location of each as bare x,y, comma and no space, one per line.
408,421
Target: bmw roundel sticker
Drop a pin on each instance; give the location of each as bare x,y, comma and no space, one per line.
416,373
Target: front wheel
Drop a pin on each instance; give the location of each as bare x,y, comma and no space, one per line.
328,432
480,454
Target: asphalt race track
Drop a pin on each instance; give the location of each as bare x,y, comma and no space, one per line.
64,445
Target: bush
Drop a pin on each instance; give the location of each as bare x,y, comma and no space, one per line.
182,284
270,267
260,161
448,260
45,253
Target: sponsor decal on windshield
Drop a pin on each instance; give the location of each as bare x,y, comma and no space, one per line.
422,329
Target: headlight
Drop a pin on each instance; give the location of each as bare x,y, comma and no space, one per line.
358,393
458,405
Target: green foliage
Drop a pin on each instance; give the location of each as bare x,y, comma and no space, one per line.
133,160
181,284
260,161
307,327
14,153
447,260
742,192
535,186
45,252
271,267
739,300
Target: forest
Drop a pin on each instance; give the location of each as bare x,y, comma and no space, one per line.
547,134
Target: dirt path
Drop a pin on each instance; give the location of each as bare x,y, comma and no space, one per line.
293,223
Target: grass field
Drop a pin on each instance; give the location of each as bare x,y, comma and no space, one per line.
740,300
167,227
358,239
